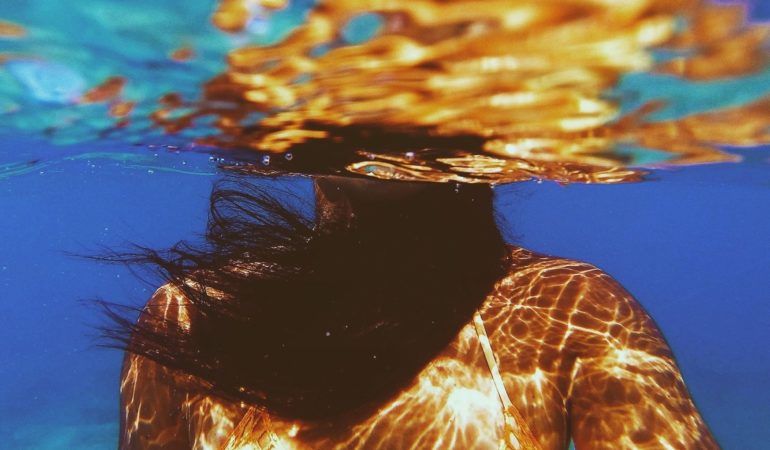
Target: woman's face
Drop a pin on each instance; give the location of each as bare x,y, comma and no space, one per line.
336,196
334,188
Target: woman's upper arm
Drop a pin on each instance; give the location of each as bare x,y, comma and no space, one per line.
626,389
151,398
151,415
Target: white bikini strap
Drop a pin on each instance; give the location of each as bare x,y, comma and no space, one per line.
253,429
519,436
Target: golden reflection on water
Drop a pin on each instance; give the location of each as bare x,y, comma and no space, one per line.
11,30
527,79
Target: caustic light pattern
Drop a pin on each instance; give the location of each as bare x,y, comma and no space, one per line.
576,352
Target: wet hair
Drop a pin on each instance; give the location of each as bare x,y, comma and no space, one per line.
315,322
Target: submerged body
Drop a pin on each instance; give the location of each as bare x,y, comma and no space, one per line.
579,358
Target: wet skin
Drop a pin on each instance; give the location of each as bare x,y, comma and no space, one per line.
579,357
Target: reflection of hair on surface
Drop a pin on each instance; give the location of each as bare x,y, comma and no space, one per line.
528,78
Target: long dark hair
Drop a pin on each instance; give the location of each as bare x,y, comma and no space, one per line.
312,322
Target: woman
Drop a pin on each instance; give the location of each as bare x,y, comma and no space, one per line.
397,318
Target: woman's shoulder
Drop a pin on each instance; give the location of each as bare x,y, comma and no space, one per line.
538,267
573,304
167,306
545,281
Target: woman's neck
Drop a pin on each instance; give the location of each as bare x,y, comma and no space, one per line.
342,200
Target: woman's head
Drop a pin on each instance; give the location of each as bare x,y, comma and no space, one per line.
336,196
316,318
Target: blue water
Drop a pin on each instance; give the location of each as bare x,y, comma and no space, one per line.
691,244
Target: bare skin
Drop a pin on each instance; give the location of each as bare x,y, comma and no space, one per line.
580,359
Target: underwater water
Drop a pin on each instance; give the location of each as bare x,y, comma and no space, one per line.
690,241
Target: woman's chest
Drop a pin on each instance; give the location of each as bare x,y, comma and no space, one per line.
452,403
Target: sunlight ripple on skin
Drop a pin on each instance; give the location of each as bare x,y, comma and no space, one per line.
575,350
